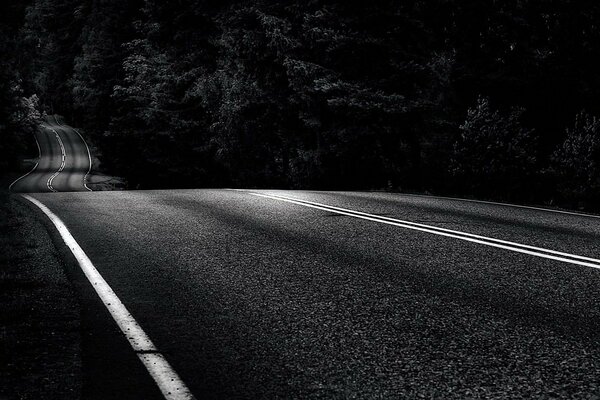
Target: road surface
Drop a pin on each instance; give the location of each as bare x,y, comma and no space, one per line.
249,294
63,164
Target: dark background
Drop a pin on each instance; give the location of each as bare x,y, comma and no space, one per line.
493,99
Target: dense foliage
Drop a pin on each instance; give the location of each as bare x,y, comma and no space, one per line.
18,113
576,163
494,155
465,97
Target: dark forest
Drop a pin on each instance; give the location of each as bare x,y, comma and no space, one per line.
491,99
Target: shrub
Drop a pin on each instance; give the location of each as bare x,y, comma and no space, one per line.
494,155
575,163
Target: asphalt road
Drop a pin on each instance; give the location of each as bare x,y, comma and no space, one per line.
63,164
255,297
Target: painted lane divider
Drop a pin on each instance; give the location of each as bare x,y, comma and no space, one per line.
62,164
85,177
497,203
168,381
449,231
479,239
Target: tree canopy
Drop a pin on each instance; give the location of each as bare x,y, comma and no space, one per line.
447,96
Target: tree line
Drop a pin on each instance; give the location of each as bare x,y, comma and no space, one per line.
494,99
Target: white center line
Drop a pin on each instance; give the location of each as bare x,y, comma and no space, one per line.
85,177
496,203
469,237
62,163
168,381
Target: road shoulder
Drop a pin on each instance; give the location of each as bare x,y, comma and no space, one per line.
39,313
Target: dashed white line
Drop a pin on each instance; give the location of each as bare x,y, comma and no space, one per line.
469,237
88,153
168,381
62,163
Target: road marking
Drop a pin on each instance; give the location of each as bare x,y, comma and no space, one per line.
503,204
469,237
62,163
32,169
168,381
88,153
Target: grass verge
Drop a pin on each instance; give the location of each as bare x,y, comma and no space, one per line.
39,314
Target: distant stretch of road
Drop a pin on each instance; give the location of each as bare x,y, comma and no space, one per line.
299,294
64,161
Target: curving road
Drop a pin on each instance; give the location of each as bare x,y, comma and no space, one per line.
294,294
63,164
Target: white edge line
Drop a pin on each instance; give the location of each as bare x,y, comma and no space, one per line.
496,203
436,231
34,167
168,381
88,152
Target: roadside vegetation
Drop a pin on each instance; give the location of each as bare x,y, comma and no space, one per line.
18,111
39,315
473,98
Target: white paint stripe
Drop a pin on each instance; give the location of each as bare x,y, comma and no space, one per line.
88,153
62,164
172,387
495,203
448,230
169,382
487,241
32,169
